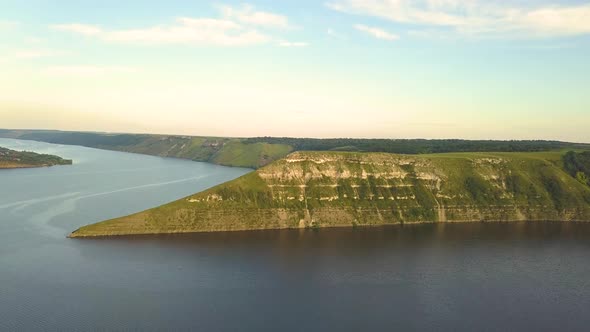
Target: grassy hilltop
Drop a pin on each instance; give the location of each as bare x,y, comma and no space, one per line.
23,159
260,151
333,189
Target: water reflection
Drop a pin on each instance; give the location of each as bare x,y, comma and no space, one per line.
348,240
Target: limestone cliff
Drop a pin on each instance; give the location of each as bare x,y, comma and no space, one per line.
334,189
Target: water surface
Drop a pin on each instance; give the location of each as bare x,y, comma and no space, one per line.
455,277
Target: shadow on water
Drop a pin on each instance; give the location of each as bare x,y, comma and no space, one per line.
389,235
359,242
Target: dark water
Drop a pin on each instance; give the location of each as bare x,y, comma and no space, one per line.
465,277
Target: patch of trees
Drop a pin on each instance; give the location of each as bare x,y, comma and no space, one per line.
31,158
413,146
577,164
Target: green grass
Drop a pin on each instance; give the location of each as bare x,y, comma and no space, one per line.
236,153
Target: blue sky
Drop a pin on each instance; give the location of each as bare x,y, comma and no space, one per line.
336,68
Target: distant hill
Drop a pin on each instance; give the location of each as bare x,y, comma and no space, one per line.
345,189
23,159
217,150
260,151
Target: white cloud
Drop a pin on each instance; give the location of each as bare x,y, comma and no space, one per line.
477,17
7,25
376,32
82,29
247,14
38,53
558,20
332,33
238,26
88,71
292,44
193,31
34,40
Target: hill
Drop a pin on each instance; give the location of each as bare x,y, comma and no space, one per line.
336,189
216,150
23,159
260,151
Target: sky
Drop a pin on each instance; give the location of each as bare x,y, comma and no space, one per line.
473,69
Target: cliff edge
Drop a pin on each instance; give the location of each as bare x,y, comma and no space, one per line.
336,189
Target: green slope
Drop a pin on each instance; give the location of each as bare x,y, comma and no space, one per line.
334,189
217,150
236,153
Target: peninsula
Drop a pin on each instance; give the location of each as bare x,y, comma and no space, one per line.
24,159
353,189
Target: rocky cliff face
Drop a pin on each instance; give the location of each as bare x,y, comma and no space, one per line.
332,189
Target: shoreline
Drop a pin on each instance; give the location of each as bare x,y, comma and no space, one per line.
131,152
72,235
29,166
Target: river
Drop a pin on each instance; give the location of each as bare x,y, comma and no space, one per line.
453,277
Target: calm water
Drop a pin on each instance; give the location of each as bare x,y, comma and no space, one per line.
525,276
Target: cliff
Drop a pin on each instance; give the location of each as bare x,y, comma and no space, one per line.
335,189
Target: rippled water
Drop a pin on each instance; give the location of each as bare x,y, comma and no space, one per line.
521,276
